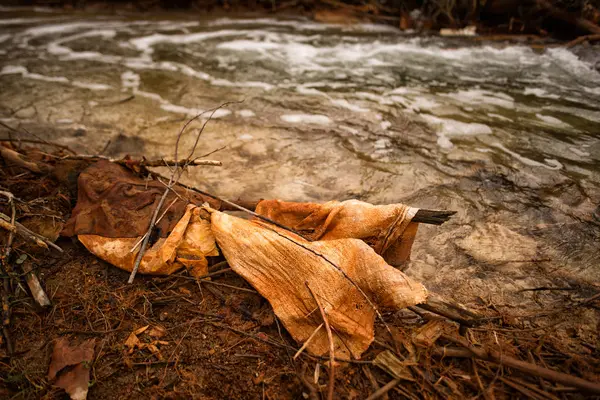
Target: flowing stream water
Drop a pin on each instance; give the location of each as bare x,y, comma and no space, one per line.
507,135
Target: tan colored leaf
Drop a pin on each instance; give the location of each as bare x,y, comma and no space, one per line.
74,381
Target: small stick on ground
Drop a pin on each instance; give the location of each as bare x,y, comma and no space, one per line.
140,255
27,234
6,270
450,310
39,295
305,345
331,348
384,389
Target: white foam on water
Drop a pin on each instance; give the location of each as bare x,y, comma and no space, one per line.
174,108
385,125
343,103
245,113
479,97
17,69
578,152
14,69
552,121
146,43
350,129
377,98
39,77
66,54
91,86
24,21
306,119
554,164
245,137
68,27
382,143
248,84
346,104
304,24
539,92
4,37
180,109
500,117
568,61
130,80
448,128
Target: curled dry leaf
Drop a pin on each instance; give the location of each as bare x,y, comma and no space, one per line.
133,341
388,229
157,331
113,211
74,380
278,263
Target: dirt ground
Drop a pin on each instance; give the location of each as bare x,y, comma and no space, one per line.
220,339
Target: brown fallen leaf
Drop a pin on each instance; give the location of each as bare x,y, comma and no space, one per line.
73,381
157,331
345,275
132,340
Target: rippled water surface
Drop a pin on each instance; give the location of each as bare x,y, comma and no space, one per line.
509,136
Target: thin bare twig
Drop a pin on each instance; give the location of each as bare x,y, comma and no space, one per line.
305,345
27,234
330,386
384,389
175,176
6,271
37,140
138,259
145,163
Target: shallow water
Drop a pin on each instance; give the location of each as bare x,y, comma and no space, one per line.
506,135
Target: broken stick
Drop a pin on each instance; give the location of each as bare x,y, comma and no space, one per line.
27,234
37,291
450,310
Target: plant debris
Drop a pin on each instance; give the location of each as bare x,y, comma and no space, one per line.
221,339
73,380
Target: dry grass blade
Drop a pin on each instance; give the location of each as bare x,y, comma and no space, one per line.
305,345
330,386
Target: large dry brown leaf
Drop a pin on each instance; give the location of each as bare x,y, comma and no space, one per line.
386,228
279,264
113,202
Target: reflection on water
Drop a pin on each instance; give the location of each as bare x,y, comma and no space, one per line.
506,135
